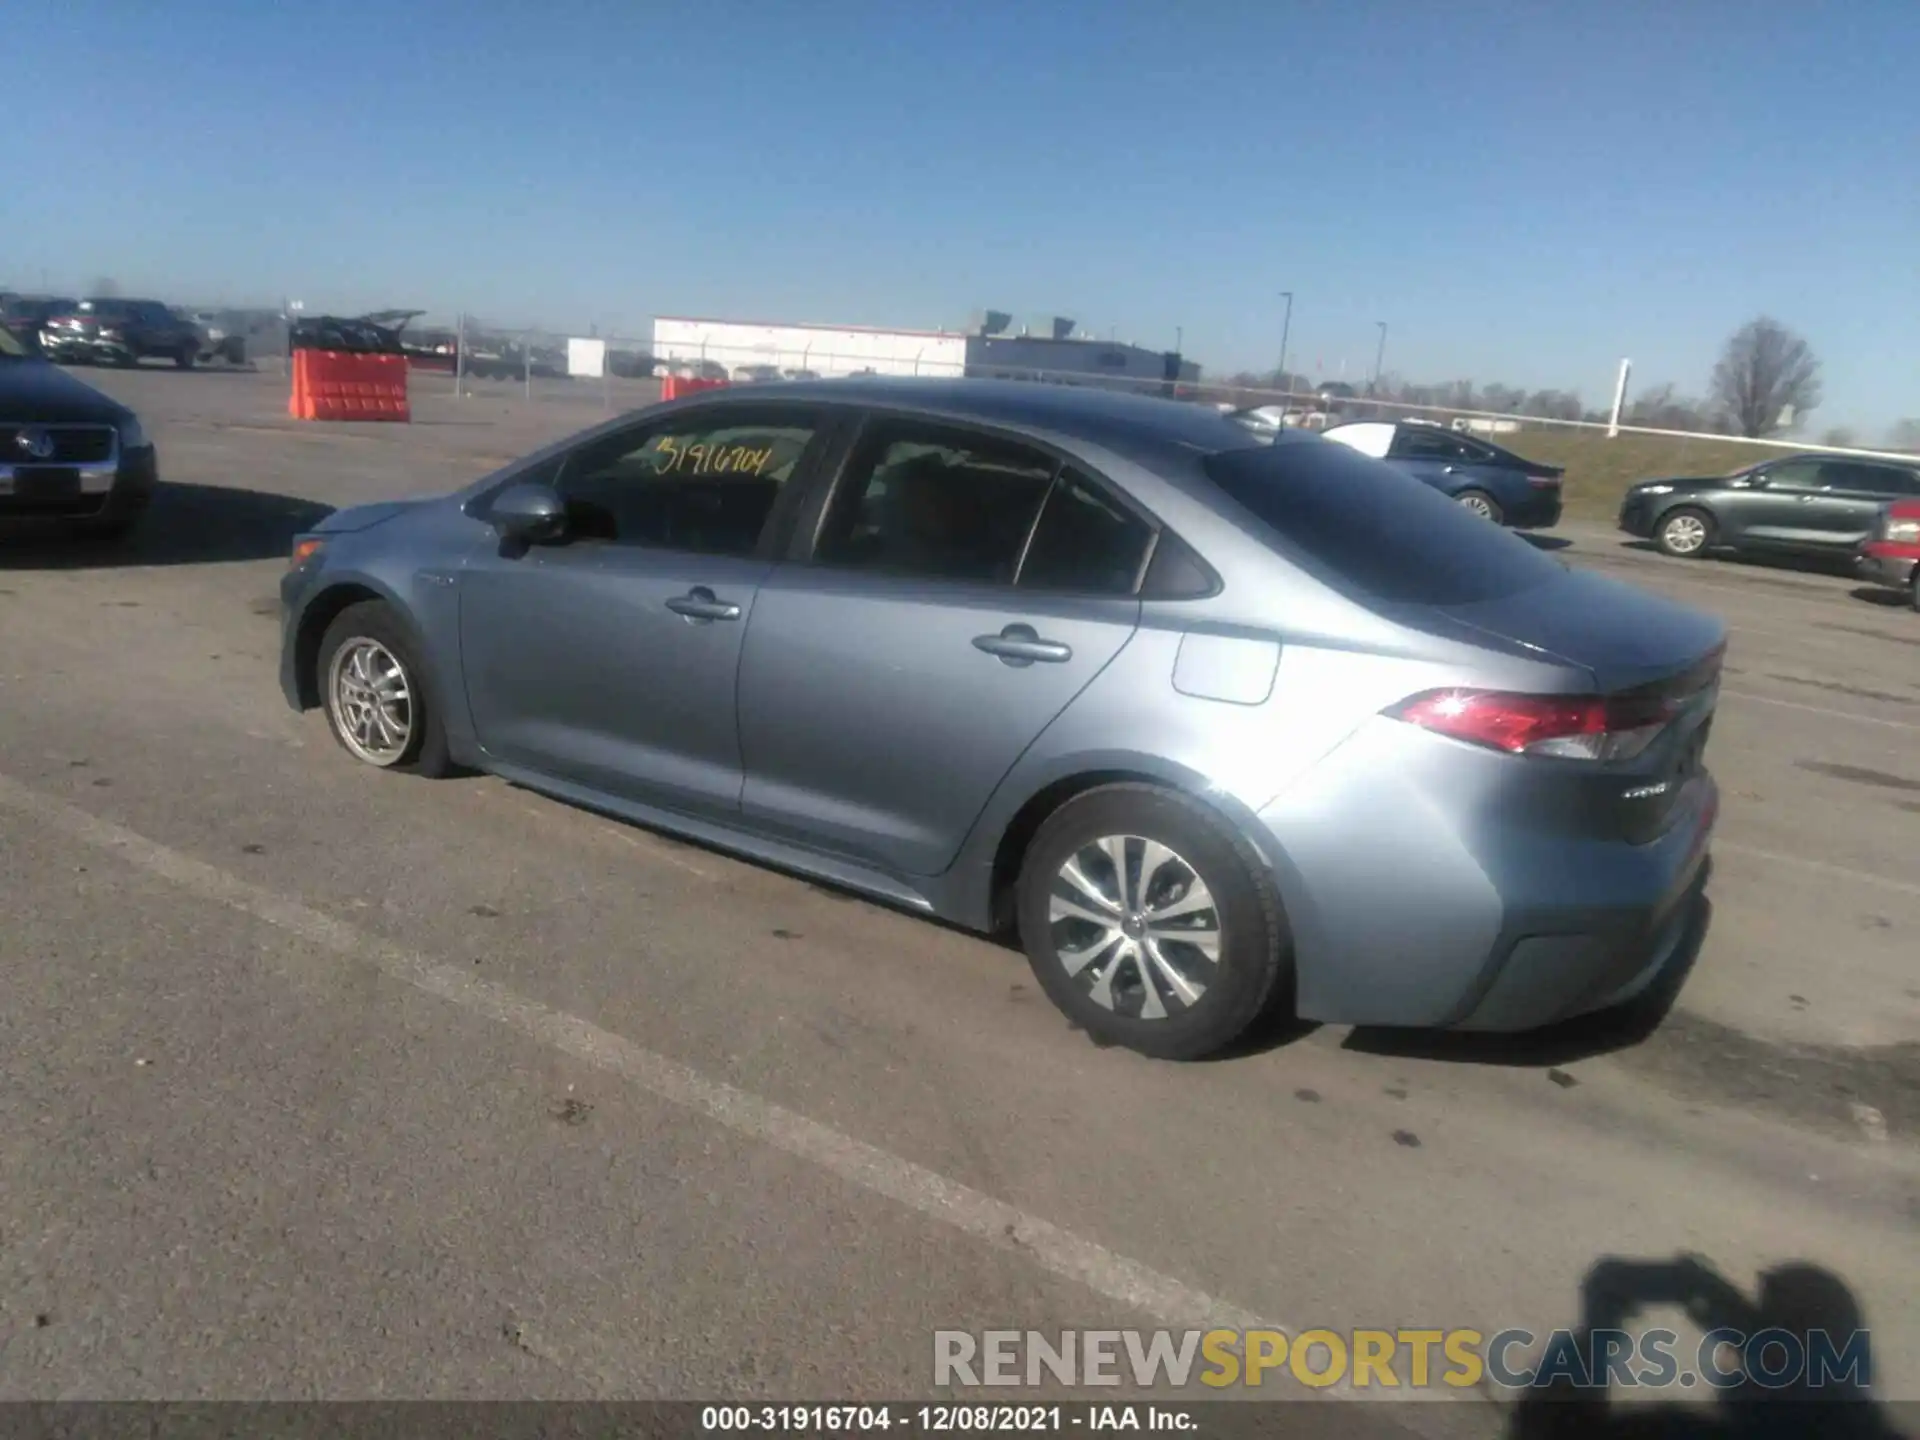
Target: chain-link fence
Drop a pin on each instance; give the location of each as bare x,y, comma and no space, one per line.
467,356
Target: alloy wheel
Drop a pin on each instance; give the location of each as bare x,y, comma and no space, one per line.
371,699
1684,534
1134,923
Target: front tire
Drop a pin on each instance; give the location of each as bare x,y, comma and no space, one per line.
373,687
1150,923
1685,533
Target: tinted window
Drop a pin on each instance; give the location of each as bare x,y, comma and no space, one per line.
1370,526
1417,442
1085,542
921,500
700,483
1795,475
1874,479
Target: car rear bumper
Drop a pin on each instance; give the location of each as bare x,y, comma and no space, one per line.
1570,960
1886,566
1421,893
1537,510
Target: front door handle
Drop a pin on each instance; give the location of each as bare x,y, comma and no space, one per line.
700,603
1021,645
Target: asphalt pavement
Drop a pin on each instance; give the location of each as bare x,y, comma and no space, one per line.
322,1083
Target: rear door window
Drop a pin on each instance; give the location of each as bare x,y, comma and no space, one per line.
1364,525
935,502
1869,479
1419,442
1085,543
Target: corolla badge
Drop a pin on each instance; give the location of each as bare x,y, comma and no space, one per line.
35,441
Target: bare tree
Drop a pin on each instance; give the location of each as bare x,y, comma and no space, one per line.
1905,435
1840,438
1765,373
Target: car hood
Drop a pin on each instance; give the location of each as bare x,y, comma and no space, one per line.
1622,635
34,390
364,517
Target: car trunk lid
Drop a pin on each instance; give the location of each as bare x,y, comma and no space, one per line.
1624,637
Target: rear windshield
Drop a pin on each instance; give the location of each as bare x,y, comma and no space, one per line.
1367,525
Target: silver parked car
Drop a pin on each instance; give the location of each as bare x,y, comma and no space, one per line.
1214,722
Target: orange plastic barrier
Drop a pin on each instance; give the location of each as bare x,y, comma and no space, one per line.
340,385
675,386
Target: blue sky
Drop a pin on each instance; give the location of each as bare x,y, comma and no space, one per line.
1524,192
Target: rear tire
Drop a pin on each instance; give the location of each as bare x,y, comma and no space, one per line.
1481,504
374,688
1685,533
1094,943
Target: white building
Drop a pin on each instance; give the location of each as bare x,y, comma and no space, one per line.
750,350
737,346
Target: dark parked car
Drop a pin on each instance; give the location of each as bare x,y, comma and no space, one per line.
67,452
121,332
1215,723
1491,482
1797,504
25,316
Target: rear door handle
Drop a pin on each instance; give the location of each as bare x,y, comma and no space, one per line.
1021,645
700,603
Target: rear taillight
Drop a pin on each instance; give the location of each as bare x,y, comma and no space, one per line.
1901,531
1572,727
1543,482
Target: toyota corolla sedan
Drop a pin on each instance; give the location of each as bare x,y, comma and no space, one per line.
1213,723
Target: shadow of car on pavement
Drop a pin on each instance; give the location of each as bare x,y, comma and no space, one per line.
186,525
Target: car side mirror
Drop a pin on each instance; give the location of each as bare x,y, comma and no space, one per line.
529,512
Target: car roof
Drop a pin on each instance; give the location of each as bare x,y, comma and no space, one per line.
1898,462
1108,417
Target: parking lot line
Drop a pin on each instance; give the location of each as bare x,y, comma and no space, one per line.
1821,710
1006,1227
1819,867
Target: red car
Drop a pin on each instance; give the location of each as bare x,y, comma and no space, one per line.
1891,556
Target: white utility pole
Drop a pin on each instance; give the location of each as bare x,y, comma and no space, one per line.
1619,398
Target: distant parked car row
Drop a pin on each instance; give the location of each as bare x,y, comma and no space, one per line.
111,331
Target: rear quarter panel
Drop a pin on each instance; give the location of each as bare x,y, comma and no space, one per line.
1236,700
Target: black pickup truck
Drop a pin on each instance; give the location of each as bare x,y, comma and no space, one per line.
120,332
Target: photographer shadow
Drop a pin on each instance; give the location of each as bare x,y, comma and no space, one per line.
1831,1402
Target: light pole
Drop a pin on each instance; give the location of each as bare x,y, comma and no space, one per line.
1379,356
1286,327
1179,340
